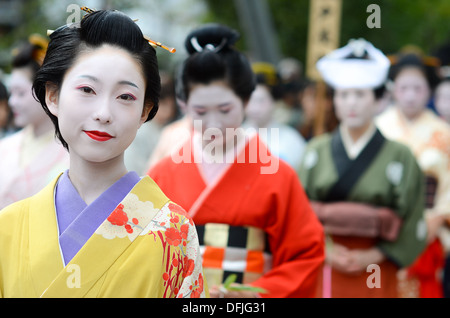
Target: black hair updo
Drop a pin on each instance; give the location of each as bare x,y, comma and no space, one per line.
214,58
413,60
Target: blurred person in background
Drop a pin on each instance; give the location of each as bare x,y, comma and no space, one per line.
308,103
175,133
365,189
283,140
148,135
7,126
442,99
411,122
31,157
254,220
287,110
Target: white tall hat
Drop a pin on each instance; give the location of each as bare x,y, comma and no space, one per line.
339,71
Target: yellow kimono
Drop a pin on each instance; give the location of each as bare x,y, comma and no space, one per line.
147,247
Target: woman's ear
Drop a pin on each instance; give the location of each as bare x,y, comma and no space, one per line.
147,108
52,97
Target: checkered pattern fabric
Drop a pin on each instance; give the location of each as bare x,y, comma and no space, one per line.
226,250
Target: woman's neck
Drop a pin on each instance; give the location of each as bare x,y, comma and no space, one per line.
92,179
412,116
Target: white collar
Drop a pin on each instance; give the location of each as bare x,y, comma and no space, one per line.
354,148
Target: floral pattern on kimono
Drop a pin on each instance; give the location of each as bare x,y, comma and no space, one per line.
174,229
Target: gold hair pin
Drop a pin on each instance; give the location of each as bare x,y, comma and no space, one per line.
150,41
86,9
155,44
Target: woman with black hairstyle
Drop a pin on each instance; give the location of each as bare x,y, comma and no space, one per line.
31,157
255,224
98,230
287,143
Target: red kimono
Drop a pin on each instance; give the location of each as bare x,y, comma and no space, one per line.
255,224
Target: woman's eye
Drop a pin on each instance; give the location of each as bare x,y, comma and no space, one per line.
127,97
225,111
86,89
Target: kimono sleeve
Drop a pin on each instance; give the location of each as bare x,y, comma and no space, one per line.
410,199
194,284
296,240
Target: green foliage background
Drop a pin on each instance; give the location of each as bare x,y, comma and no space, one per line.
423,23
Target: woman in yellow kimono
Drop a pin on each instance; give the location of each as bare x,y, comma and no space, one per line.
98,230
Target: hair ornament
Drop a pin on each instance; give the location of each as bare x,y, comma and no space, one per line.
41,45
159,44
211,37
267,72
208,46
428,61
87,10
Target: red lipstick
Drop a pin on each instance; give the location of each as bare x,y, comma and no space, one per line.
98,135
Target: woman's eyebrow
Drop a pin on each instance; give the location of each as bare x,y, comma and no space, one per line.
128,83
95,79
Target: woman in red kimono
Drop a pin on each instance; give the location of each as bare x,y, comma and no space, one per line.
253,218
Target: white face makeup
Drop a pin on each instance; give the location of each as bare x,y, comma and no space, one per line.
100,104
442,100
218,108
27,111
260,107
411,91
355,108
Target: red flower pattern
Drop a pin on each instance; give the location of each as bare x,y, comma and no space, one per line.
118,216
175,239
175,219
178,265
197,288
173,236
189,266
184,229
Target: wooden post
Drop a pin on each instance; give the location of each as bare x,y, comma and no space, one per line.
323,37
